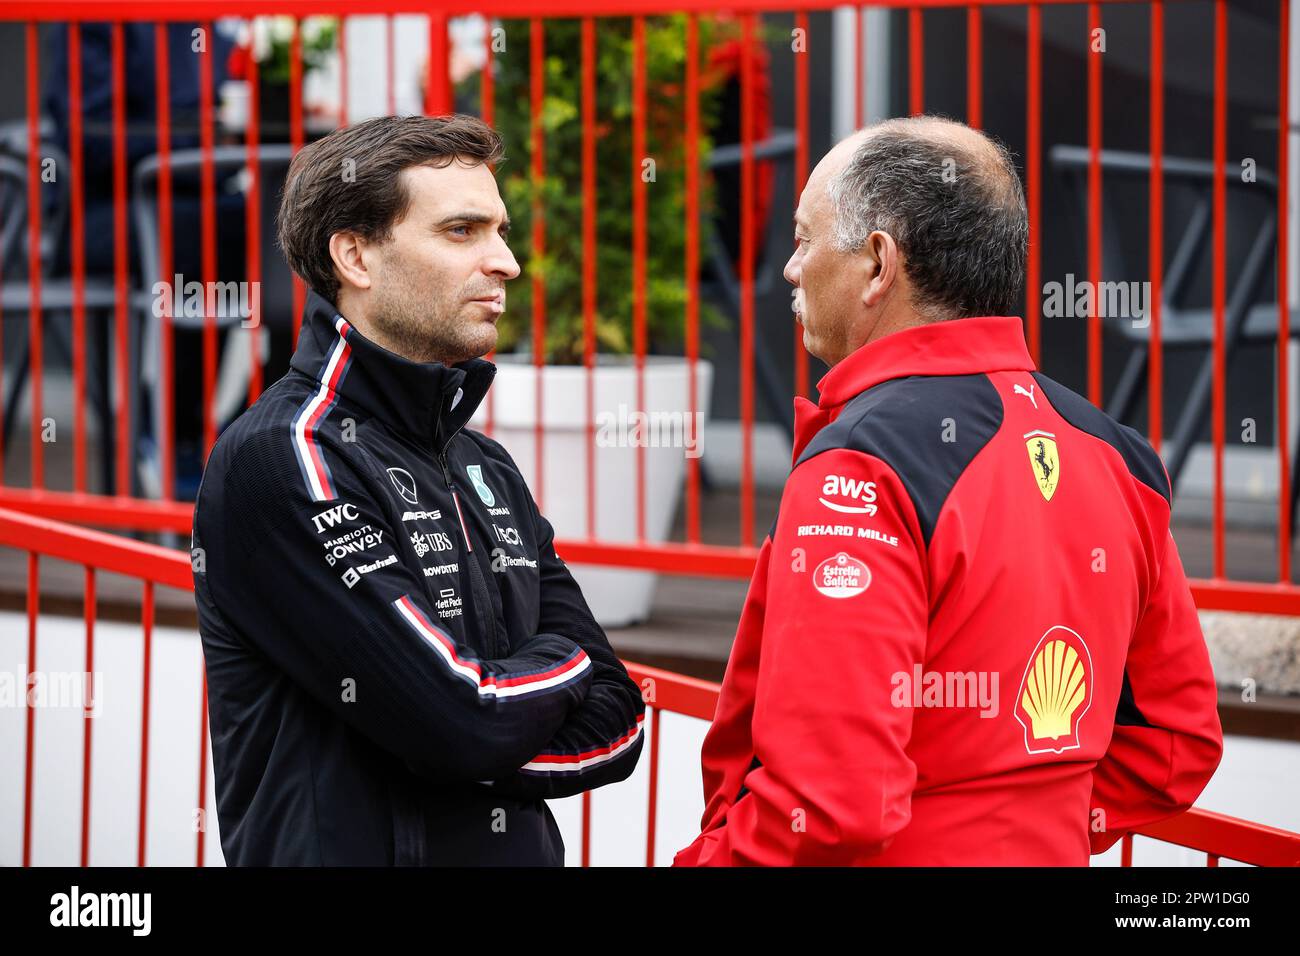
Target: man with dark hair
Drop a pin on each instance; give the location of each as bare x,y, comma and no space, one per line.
400,668
968,639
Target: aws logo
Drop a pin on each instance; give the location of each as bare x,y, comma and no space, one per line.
862,493
1055,692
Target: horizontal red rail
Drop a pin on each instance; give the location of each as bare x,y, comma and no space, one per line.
1212,833
101,10
685,559
95,549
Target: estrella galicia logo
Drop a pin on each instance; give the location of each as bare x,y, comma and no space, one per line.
475,473
404,483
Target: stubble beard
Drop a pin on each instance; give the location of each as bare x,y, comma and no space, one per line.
425,329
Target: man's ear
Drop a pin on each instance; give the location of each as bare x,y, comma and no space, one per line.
348,251
880,257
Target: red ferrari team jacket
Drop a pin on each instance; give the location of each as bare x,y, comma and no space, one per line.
968,639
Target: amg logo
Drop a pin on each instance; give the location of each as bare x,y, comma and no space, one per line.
421,515
336,515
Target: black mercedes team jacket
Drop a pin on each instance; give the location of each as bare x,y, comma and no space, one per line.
400,669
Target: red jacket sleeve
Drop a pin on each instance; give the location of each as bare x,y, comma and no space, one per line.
846,609
1167,740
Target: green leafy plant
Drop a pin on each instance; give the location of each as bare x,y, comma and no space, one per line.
273,36
559,191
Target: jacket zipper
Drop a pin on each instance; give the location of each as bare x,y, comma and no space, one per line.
484,608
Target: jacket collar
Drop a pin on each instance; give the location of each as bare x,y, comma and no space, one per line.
418,398
955,347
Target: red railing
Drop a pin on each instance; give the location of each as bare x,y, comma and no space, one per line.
691,555
1216,835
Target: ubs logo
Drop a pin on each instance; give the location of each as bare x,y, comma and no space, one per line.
404,483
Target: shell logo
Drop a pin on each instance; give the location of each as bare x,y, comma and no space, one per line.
1055,692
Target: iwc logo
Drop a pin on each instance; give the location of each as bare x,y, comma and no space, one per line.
404,483
1055,692
475,473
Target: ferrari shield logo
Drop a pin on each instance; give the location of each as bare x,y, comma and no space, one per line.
1045,461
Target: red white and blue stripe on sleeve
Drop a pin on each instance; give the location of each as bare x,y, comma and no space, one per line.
549,763
310,455
489,685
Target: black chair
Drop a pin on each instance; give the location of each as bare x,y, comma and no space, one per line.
1184,327
276,291
57,295
724,285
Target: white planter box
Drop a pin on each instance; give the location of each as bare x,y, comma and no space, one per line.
617,597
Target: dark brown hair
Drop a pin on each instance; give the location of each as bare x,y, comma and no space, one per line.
350,181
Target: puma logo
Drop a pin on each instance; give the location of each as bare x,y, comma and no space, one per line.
1029,394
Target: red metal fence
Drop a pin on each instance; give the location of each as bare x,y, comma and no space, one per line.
690,556
1216,835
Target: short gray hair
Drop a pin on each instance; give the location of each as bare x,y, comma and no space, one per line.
963,236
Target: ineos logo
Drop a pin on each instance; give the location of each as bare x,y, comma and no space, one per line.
404,483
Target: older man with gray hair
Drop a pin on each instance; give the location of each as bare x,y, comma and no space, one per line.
968,639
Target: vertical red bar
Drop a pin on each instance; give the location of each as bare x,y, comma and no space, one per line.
692,228
146,619
253,232
974,68
390,78
162,93
1211,860
589,258
639,249
343,71
487,108
586,828
1094,204
653,812
1126,850
78,240
1156,226
33,611
1034,175
86,720
35,325
859,68
203,772
916,61
1283,313
747,280
125,453
295,143
1219,277
800,177
537,91
487,104
208,234
438,98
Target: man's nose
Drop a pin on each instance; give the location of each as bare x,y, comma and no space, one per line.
791,270
502,261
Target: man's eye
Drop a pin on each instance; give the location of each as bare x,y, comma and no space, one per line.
462,230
